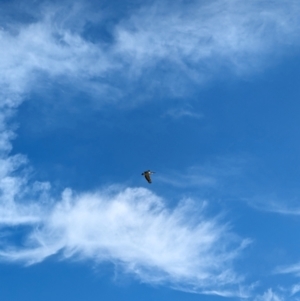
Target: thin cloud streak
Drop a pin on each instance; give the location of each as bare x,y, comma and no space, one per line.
290,269
183,113
206,175
274,204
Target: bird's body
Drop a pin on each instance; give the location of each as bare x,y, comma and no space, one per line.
147,174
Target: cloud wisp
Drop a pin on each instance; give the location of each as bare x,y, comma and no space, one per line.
290,269
210,175
271,203
134,230
193,42
280,294
203,37
180,113
270,295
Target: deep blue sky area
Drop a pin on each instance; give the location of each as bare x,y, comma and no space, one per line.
77,281
236,117
203,93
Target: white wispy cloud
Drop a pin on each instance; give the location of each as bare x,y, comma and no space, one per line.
42,49
213,174
290,269
270,295
191,178
13,185
207,36
134,229
195,40
178,113
295,289
279,294
271,203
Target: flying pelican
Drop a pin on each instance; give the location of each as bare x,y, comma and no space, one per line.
147,174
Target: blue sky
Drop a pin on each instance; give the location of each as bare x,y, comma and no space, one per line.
205,93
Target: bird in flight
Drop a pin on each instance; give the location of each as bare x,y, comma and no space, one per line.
147,174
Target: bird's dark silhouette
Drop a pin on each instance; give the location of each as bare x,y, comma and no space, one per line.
147,174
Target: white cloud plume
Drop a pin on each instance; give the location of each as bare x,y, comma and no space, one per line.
195,41
41,49
208,35
134,229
